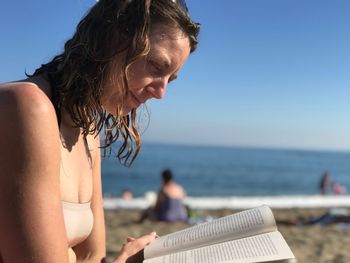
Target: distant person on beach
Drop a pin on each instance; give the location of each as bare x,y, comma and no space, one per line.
169,206
127,195
338,189
325,183
123,53
328,186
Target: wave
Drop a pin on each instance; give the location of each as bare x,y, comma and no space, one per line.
235,202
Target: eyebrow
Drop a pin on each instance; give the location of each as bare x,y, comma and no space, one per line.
165,62
162,59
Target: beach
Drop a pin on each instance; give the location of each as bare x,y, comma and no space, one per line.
309,243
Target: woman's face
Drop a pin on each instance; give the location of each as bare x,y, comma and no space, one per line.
149,76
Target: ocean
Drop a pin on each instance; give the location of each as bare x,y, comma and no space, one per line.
206,171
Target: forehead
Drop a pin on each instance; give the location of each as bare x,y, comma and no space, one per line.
169,42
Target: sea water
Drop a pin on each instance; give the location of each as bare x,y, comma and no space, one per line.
206,171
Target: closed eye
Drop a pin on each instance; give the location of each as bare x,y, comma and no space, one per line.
156,69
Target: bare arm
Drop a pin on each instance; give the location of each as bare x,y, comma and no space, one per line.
31,226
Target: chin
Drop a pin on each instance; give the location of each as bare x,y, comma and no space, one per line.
113,111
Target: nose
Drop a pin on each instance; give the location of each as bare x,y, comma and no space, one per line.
158,88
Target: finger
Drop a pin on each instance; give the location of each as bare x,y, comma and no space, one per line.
153,233
130,239
145,239
141,242
137,245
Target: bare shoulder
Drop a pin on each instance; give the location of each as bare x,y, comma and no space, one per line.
23,95
28,121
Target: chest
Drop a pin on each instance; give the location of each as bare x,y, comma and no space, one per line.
76,171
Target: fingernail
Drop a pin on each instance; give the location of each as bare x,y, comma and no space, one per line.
153,233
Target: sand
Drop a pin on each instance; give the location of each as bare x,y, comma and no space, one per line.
310,244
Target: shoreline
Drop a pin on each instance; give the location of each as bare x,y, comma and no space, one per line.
235,202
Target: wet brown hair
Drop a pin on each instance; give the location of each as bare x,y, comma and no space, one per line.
113,31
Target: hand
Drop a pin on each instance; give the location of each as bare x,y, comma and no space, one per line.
132,251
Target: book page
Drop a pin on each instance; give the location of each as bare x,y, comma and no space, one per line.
246,223
261,248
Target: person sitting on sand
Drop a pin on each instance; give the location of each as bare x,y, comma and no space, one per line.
123,53
169,206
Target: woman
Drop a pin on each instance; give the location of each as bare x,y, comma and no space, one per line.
122,54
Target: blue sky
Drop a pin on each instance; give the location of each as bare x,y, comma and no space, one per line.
267,73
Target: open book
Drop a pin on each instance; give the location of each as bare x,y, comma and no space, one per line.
248,236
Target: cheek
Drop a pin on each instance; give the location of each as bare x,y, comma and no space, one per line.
111,95
138,76
113,87
106,92
138,85
107,97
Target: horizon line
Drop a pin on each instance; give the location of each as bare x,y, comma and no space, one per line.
257,147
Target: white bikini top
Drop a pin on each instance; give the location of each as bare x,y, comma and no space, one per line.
79,220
